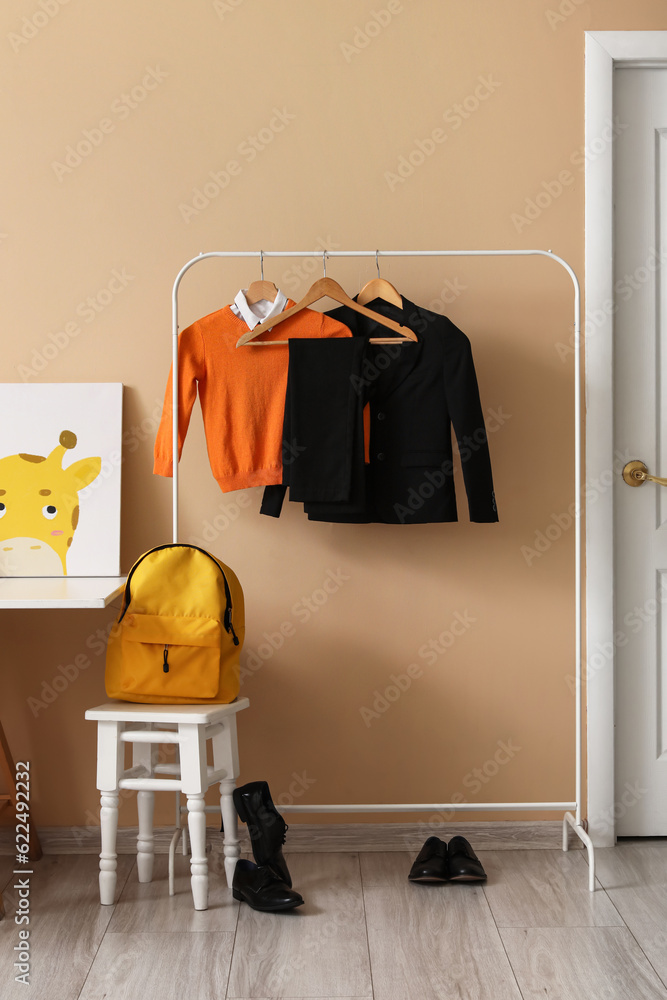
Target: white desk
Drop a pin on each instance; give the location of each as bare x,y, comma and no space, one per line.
59,591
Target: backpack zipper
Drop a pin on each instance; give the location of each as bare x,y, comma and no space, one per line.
227,620
165,662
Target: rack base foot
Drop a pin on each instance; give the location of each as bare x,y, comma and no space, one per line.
569,820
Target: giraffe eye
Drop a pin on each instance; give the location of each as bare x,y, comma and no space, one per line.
3,510
49,511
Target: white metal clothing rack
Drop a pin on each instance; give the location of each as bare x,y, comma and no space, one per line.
573,820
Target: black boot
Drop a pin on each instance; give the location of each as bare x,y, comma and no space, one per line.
262,889
266,827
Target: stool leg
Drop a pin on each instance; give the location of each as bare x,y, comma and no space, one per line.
226,757
231,846
109,769
146,756
108,830
145,845
198,859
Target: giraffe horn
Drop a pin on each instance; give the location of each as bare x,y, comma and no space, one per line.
67,441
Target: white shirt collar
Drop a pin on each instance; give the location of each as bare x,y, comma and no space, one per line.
254,314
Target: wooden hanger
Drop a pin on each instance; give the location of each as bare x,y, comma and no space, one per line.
261,289
323,288
379,288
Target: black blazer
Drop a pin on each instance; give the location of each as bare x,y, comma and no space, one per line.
417,393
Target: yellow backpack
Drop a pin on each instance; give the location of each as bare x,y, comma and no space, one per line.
180,630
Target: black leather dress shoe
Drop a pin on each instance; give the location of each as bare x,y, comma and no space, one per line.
430,865
261,888
266,827
464,865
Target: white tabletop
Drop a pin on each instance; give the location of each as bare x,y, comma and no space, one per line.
60,591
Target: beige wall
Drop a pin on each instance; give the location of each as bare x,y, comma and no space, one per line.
353,106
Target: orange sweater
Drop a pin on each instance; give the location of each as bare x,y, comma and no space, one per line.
242,395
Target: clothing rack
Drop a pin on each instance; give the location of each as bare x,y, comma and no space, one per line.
570,819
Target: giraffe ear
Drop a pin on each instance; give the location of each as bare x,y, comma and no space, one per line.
84,471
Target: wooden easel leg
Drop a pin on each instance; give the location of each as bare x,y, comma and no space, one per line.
9,770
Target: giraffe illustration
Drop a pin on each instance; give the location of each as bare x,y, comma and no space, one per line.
39,509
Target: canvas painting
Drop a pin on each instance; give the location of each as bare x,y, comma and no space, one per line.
60,472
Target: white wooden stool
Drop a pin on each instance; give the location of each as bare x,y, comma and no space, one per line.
189,727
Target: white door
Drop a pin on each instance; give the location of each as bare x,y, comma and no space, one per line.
640,432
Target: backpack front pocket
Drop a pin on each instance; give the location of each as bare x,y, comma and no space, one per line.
177,657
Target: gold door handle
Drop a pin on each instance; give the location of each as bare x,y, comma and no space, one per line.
636,473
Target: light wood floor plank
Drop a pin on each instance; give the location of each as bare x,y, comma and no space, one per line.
317,950
549,889
66,926
636,880
386,869
160,966
149,905
569,963
434,942
632,863
644,910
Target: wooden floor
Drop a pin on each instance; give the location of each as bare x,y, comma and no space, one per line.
533,931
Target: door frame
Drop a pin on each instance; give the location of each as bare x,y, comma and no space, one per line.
604,50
